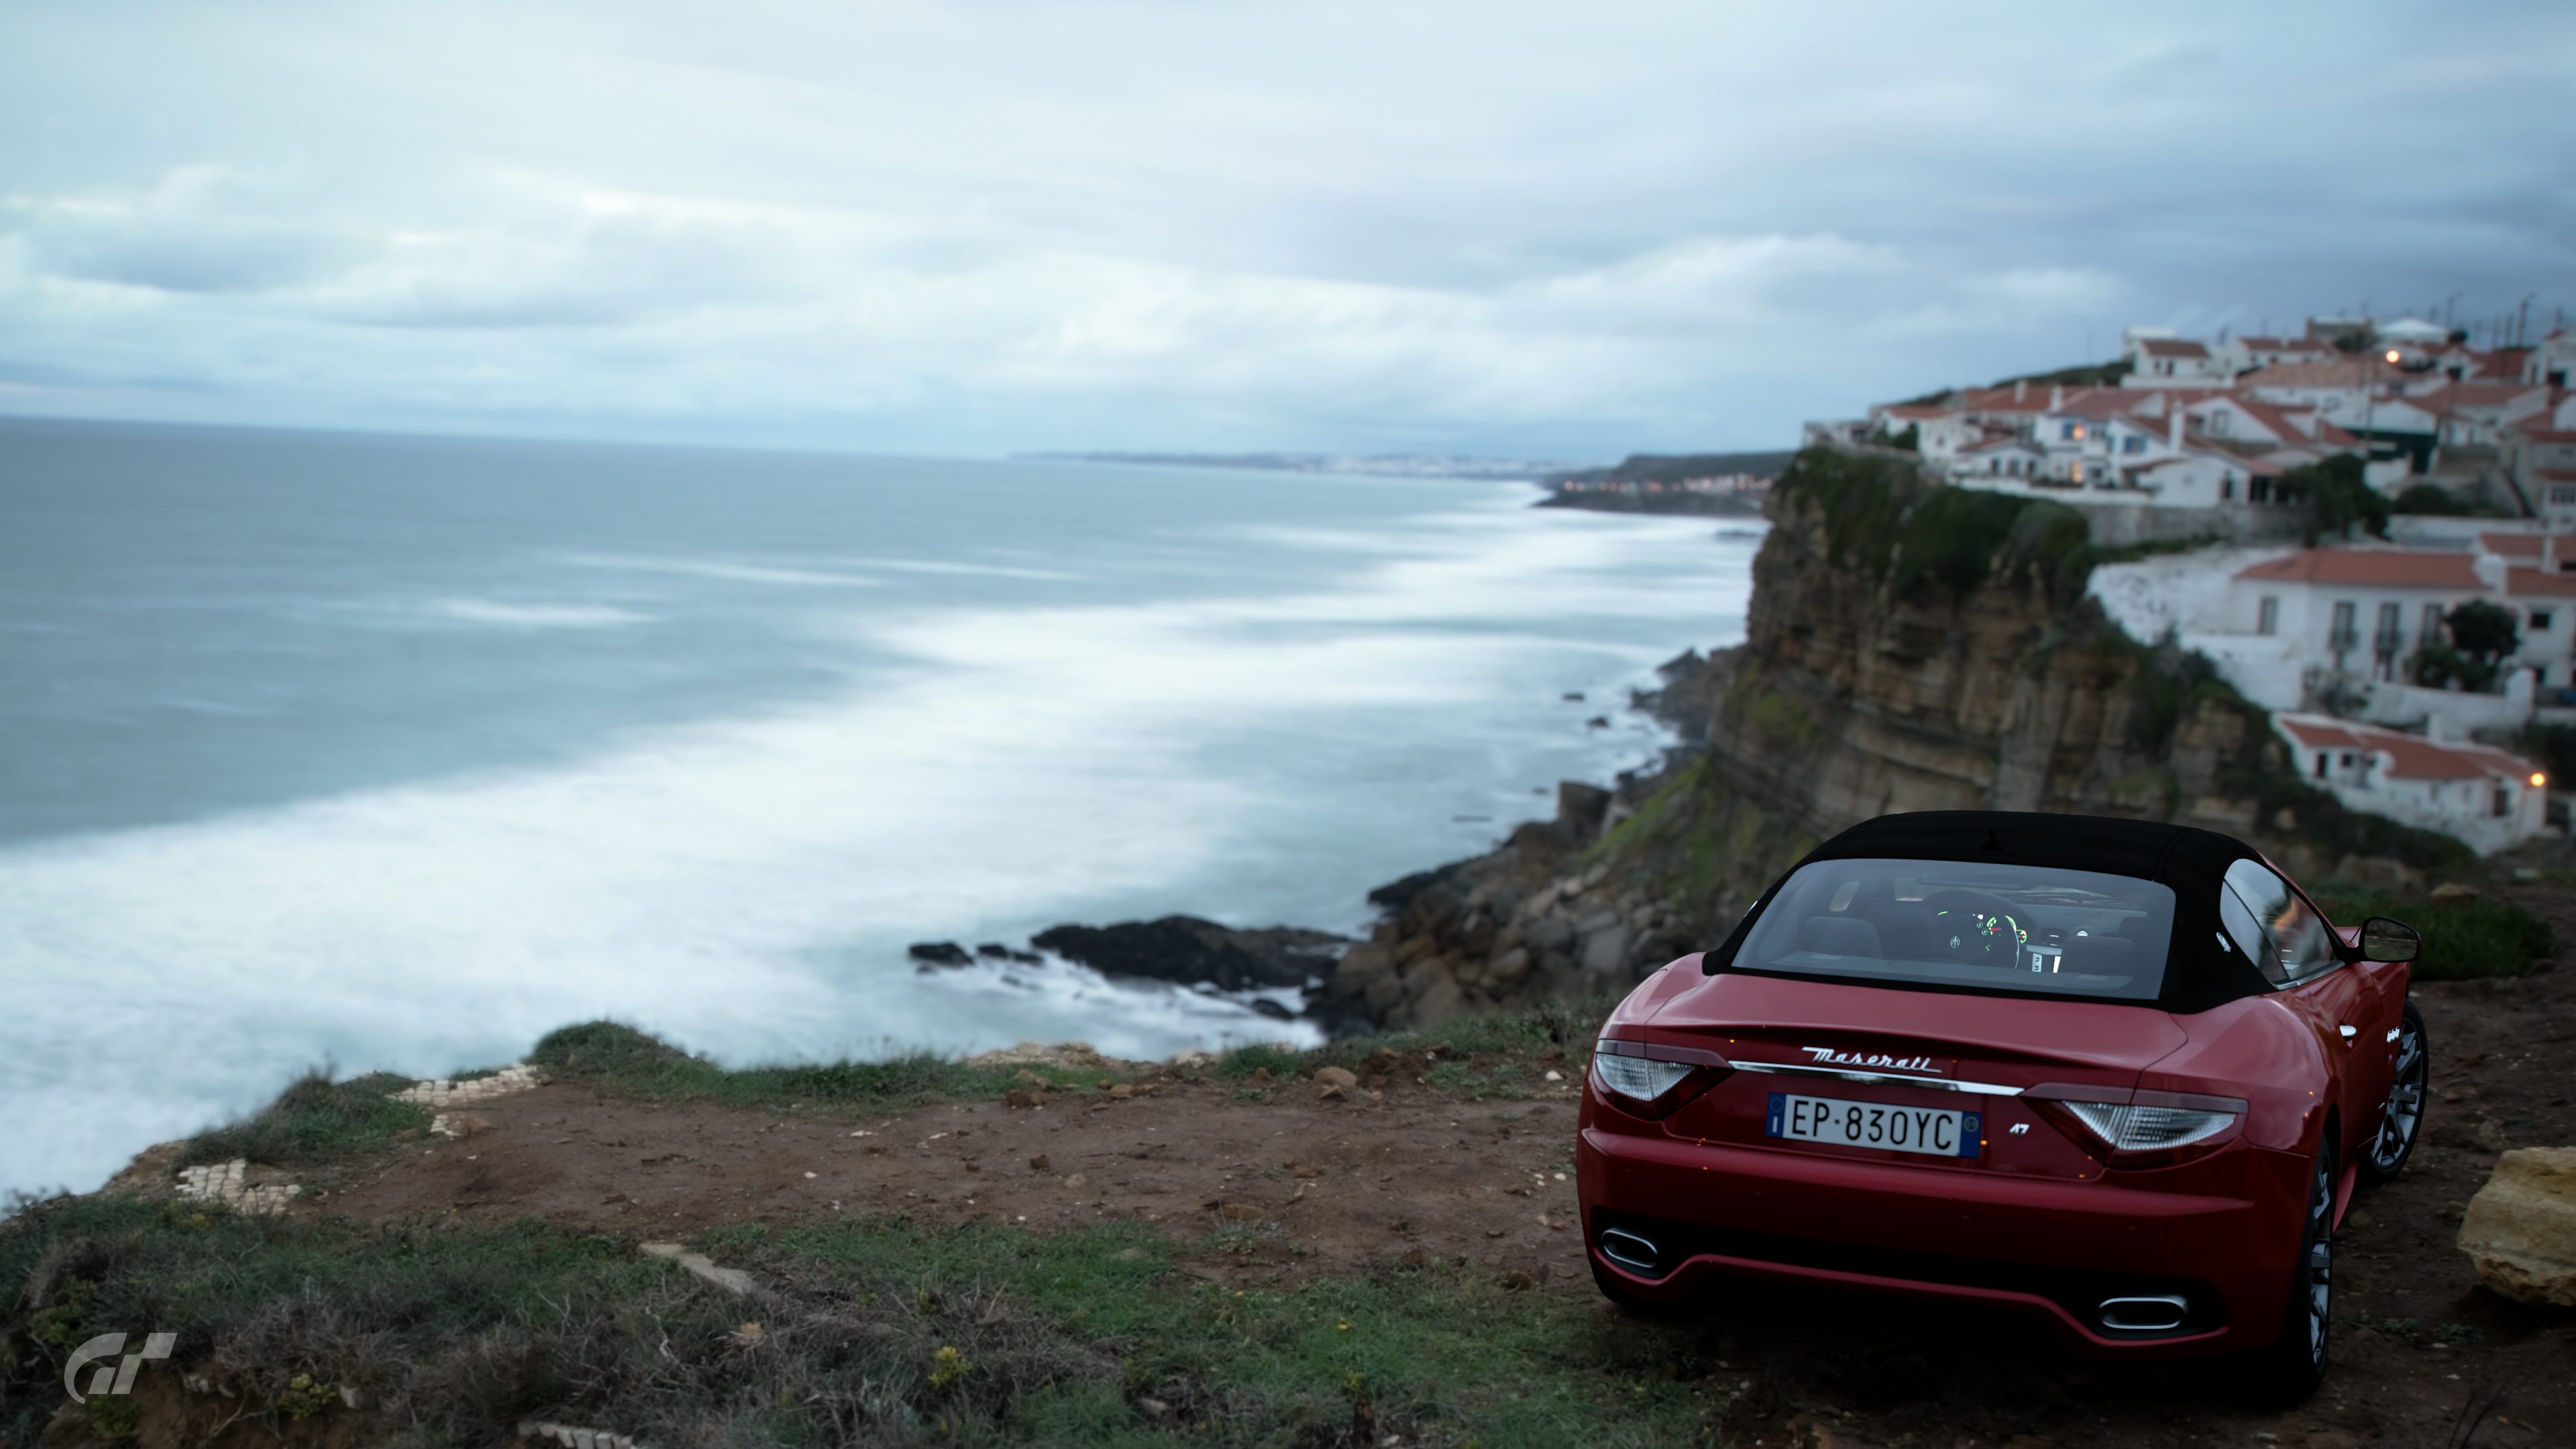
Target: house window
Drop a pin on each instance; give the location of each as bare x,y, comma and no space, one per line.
2259,490
2431,633
2562,495
2218,422
2503,802
2345,759
2267,615
2075,471
2345,634
2227,488
2322,757
2540,621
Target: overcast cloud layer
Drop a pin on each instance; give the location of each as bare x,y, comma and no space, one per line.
987,226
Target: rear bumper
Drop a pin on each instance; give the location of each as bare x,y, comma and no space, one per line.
2049,1248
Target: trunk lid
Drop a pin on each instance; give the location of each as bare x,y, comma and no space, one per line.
1931,1050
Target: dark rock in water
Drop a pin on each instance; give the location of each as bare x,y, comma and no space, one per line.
994,950
1187,950
1574,696
940,953
1028,958
1264,1006
1597,722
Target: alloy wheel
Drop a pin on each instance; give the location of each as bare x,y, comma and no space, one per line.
2318,1271
2405,1109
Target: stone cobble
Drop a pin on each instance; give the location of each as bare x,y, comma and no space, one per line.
228,1183
516,1077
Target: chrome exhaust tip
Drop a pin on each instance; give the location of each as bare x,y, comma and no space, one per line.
2160,1313
1633,1251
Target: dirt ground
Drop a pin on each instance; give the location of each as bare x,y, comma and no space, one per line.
1279,1182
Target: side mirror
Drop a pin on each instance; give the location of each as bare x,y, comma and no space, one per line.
2385,940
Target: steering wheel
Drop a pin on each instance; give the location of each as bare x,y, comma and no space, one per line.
1971,926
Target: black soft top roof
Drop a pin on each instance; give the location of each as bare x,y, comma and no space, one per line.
2200,971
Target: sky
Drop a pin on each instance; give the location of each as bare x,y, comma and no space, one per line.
992,226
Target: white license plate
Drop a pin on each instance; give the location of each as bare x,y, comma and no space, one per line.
1933,1131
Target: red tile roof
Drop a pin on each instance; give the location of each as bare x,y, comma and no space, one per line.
2479,393
2533,583
2372,567
2410,757
2525,545
2172,347
2335,373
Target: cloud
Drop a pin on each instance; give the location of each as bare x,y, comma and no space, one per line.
1498,228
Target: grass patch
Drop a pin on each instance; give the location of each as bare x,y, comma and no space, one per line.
2463,940
870,1331
313,1120
620,1059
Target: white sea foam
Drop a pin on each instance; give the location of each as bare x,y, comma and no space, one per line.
745,886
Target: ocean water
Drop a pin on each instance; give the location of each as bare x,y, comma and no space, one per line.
396,753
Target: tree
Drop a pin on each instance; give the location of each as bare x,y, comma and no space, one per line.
2337,498
2484,631
2432,498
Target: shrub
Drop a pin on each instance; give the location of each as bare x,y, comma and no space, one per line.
2337,497
2431,498
313,1119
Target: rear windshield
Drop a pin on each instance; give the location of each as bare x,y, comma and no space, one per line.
2038,930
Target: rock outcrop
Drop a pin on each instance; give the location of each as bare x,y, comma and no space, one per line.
2520,1230
1187,950
1909,646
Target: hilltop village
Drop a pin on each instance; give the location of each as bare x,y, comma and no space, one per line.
2368,529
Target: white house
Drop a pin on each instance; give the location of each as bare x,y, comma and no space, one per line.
2204,477
2358,612
2335,390
2488,798
2244,354
2157,358
2477,413
2543,601
2007,458
2541,461
2554,361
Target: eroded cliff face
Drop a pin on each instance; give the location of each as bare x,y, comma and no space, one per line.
1908,648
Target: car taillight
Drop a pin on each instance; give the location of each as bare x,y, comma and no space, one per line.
1650,1079
2130,1128
1637,1078
2143,1123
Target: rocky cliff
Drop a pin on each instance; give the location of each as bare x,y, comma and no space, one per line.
1909,646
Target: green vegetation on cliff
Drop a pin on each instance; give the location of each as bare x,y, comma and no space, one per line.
1882,518
1997,680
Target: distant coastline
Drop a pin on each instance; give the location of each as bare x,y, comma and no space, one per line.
1375,465
1722,485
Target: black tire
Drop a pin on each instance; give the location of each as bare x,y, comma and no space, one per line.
2401,1123
2286,1373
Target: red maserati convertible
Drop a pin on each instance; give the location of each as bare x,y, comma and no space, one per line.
2118,1075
